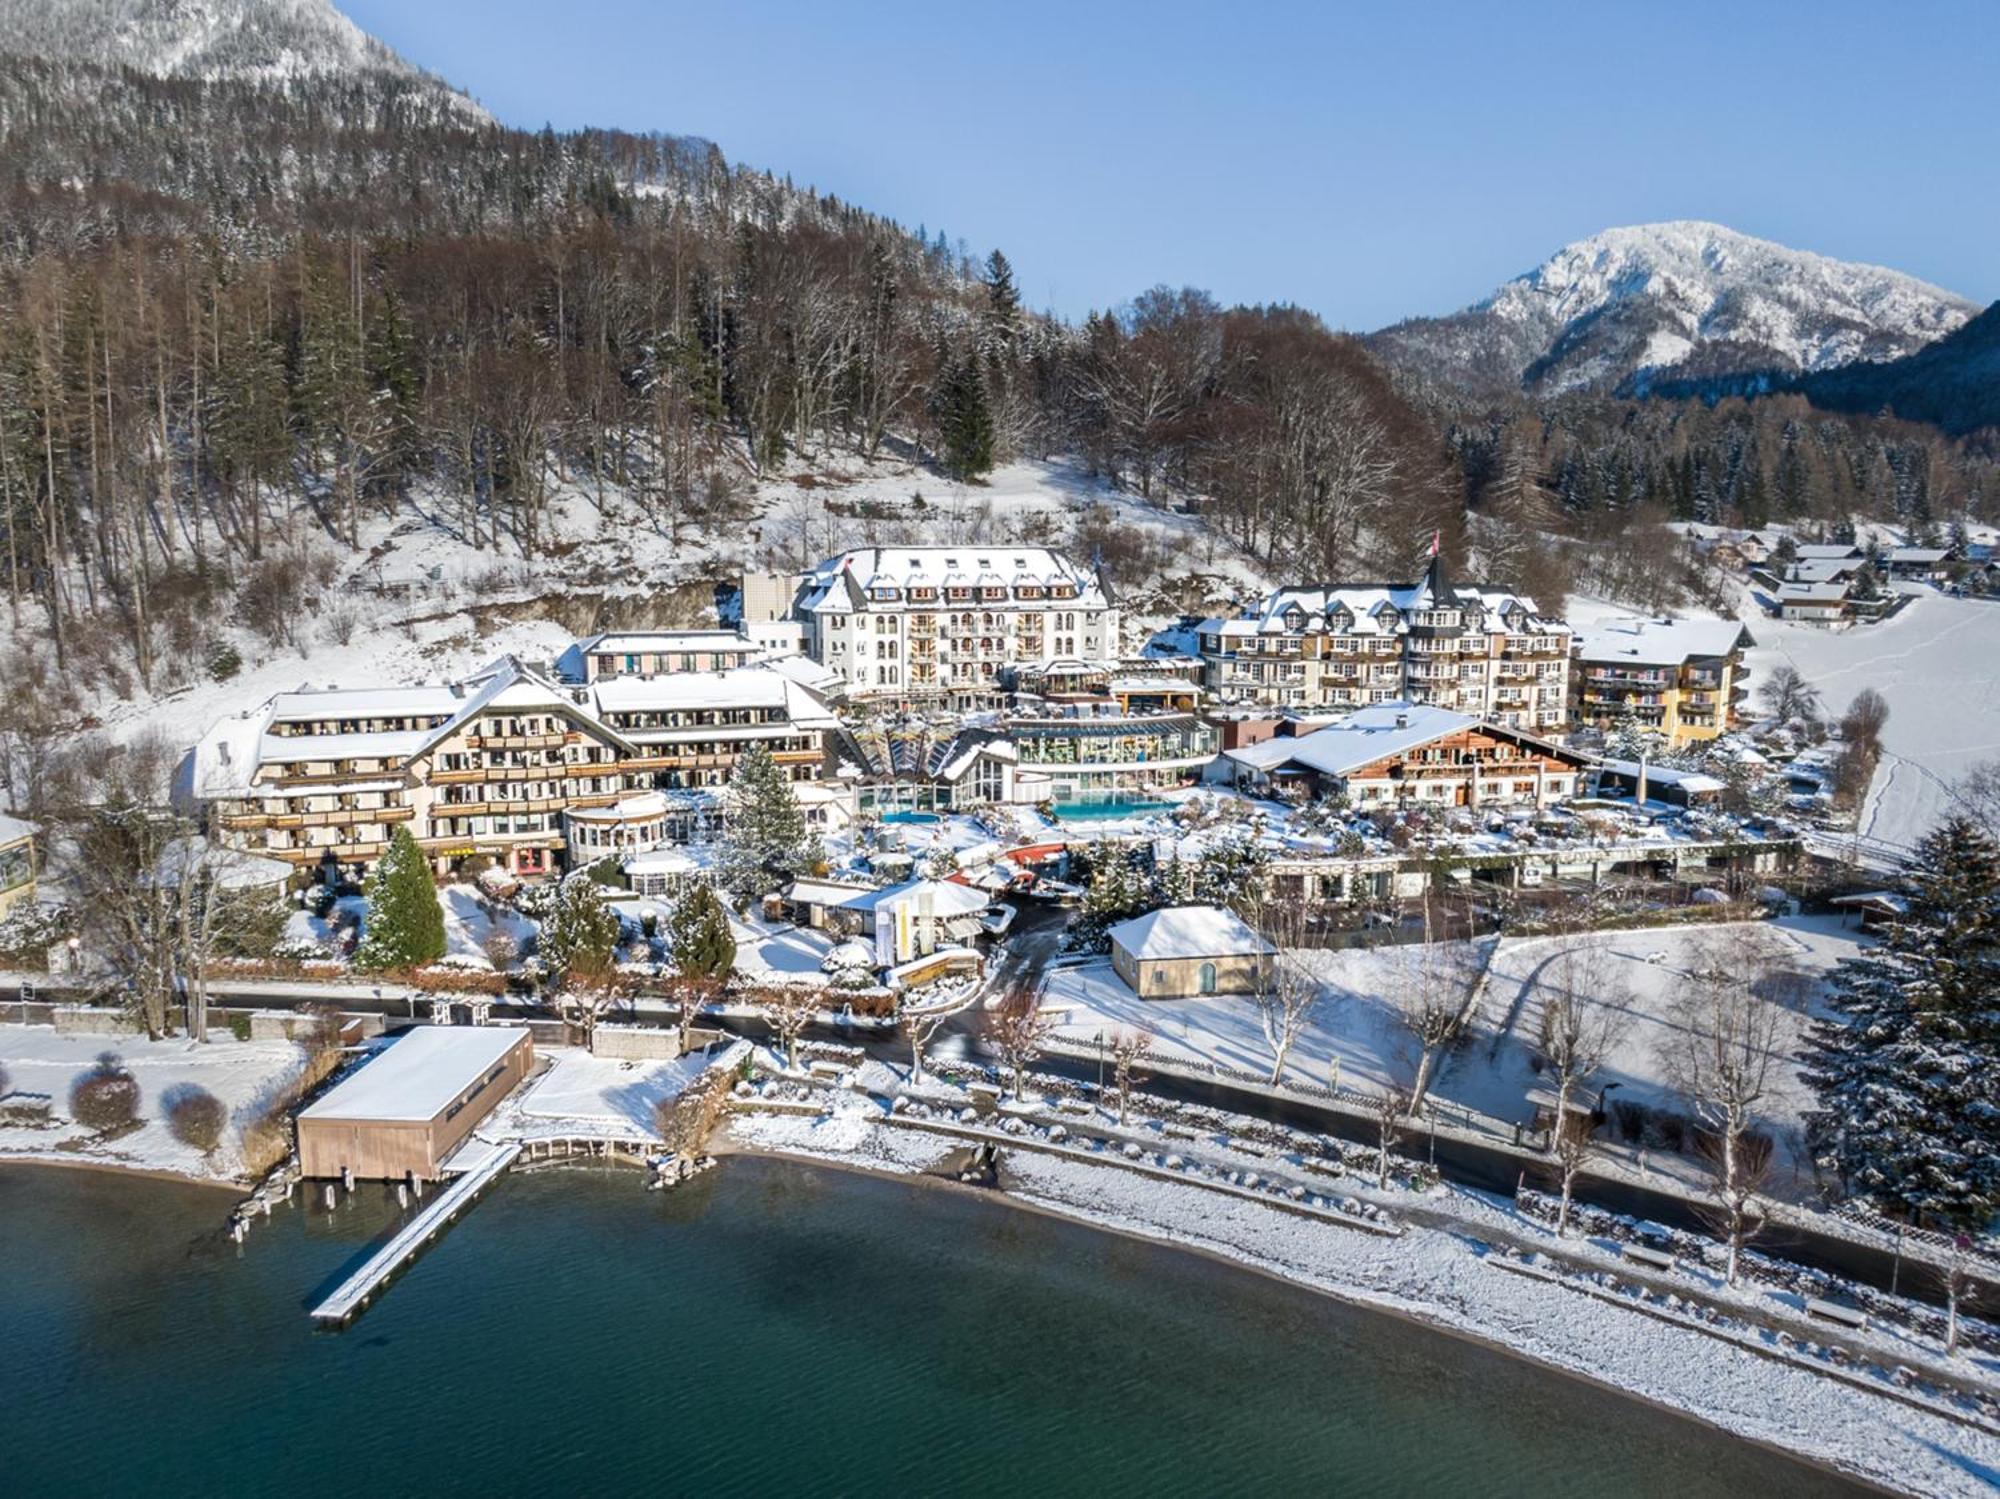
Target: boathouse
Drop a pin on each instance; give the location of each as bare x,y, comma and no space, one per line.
406,1109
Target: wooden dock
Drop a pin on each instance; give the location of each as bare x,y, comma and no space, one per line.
484,1162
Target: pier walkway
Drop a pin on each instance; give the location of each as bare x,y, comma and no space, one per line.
476,1164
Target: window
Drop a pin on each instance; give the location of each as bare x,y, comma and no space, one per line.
1208,978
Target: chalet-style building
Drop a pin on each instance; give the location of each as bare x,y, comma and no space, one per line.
1484,651
1681,678
1824,604
503,764
951,624
1409,754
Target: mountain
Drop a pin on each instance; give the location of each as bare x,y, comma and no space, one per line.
255,41
1624,309
1953,383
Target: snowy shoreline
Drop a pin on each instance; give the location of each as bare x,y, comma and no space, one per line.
1843,1431
121,1168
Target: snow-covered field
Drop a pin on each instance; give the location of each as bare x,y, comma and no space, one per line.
1937,663
1491,1071
244,1075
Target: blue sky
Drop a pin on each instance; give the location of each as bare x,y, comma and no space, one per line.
1367,161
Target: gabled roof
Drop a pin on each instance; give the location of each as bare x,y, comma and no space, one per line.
1660,642
947,897
1378,732
1190,932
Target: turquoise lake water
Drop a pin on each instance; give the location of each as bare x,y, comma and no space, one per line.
768,1329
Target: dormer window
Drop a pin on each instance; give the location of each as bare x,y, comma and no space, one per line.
1295,618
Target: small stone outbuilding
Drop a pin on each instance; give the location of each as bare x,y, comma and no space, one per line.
1191,950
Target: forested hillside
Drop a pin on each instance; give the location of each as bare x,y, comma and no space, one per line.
247,322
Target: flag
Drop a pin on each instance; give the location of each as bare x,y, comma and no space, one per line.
1437,540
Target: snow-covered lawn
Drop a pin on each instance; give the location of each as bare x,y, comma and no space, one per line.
1490,1071
244,1075
1937,664
601,1097
471,919
768,954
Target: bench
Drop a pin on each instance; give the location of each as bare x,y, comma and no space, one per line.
1833,1311
1639,1254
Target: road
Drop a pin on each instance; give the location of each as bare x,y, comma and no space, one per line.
1037,939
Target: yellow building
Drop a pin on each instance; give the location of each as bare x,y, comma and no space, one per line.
1681,678
17,864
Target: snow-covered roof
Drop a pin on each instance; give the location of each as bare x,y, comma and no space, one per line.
1919,554
14,829
309,703
1363,737
740,687
1189,932
417,1076
1660,642
947,897
1384,609
1821,570
848,581
1694,782
1825,552
1813,593
656,642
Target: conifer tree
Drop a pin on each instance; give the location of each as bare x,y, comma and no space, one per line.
766,841
698,935
965,422
405,925
580,937
1907,1066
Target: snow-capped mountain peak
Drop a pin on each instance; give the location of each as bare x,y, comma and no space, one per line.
262,41
1621,308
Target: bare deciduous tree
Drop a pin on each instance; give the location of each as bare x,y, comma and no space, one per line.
920,1022
1392,1112
1128,1050
1956,1277
788,1011
1019,1031
1284,1004
1719,1054
1435,1003
1586,1010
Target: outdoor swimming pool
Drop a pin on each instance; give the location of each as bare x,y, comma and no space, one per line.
1108,809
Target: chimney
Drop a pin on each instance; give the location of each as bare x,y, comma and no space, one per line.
1402,720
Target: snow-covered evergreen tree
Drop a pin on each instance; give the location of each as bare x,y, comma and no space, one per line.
698,935
1907,1067
580,936
766,842
405,924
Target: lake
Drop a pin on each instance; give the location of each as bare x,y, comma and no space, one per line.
770,1327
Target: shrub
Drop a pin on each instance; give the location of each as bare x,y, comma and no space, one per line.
106,1097
195,1116
224,661
239,1025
